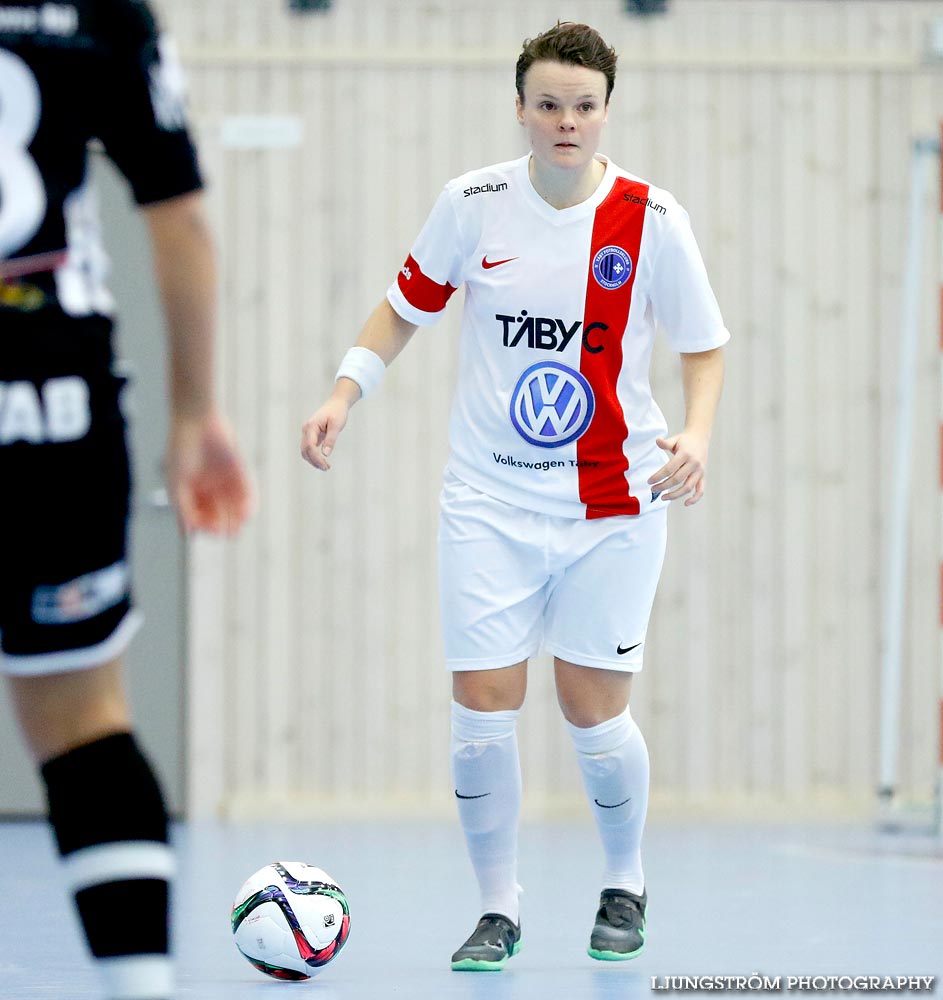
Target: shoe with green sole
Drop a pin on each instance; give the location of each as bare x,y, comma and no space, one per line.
491,944
619,933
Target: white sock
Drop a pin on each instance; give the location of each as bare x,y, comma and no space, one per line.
137,977
614,760
486,772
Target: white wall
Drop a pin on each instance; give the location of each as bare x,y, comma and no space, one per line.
785,129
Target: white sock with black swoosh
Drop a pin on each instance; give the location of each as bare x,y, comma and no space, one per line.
486,772
613,758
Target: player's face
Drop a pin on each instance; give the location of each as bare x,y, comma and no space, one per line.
563,111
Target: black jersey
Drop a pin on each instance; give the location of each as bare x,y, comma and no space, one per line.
71,73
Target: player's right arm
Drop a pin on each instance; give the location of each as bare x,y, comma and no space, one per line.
206,477
385,333
417,297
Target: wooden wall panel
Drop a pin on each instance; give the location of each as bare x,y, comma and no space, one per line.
785,130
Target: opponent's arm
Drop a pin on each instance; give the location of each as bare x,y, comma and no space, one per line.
683,475
385,333
206,479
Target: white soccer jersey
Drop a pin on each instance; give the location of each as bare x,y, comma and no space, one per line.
553,410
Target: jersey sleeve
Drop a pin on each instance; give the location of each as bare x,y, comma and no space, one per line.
144,126
682,298
433,269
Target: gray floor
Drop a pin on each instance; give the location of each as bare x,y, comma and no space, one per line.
725,900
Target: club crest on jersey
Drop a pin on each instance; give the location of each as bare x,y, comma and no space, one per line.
551,405
612,267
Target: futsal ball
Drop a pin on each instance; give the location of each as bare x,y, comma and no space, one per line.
290,919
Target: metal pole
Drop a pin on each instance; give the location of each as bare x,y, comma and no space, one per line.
938,802
896,557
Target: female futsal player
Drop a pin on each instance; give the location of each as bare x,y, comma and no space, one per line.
554,505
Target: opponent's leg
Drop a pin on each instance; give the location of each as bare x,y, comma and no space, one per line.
487,778
109,819
613,760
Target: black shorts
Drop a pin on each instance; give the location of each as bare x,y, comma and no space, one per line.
65,599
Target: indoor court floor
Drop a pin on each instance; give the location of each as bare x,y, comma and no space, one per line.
725,900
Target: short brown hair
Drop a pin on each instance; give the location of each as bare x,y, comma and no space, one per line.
566,42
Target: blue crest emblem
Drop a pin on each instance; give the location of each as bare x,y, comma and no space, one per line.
612,267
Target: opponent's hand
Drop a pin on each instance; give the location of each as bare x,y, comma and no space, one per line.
683,475
320,431
206,479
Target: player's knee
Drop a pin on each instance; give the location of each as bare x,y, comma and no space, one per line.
60,712
489,691
587,716
587,705
489,701
587,709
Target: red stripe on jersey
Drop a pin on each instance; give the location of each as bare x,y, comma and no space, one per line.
602,462
421,291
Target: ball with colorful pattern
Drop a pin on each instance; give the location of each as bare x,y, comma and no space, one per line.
290,920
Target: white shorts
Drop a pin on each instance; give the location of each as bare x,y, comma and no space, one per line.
513,581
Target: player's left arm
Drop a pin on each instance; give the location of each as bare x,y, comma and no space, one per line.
206,478
683,475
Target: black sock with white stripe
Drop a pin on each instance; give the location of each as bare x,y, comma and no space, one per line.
108,815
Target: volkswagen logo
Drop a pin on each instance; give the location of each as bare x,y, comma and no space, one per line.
551,405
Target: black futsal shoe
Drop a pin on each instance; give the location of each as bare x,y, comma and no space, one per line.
491,944
619,933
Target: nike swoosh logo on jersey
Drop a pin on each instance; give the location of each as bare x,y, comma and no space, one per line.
487,264
459,795
616,806
628,649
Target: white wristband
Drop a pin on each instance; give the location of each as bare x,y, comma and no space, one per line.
363,366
